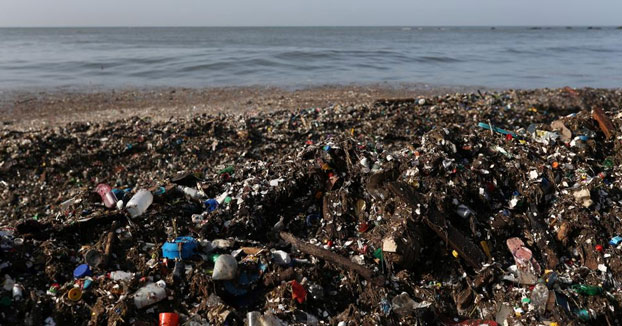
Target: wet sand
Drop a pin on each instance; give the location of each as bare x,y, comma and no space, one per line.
22,110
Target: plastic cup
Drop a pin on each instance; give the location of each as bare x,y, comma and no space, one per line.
169,319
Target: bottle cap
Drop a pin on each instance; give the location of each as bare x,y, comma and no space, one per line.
74,294
82,271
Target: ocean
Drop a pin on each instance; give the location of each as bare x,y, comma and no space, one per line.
290,57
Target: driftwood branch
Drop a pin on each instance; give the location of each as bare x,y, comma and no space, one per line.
107,247
331,257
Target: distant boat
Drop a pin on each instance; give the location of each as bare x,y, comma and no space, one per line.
493,28
406,28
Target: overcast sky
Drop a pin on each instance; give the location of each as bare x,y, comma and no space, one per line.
308,12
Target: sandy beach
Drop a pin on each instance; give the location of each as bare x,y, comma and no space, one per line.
48,108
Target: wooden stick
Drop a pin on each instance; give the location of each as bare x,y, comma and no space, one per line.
332,257
107,247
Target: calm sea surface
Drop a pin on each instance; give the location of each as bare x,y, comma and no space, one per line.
519,57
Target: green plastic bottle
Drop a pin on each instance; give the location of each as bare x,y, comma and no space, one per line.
590,290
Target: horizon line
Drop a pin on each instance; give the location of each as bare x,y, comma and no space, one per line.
290,26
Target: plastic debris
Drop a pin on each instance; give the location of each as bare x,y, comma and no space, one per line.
388,213
225,268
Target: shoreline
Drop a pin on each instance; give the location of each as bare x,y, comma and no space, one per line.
33,109
39,109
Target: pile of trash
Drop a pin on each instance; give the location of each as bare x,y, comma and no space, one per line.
496,208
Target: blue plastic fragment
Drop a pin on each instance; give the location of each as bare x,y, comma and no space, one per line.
87,283
496,129
211,204
615,240
584,138
159,191
234,290
118,193
385,306
247,278
188,247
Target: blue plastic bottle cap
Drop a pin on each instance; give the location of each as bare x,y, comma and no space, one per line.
82,271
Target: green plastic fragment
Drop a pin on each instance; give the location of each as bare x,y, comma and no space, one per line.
228,169
215,257
608,164
378,253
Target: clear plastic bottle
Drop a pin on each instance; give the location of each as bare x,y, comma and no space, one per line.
540,296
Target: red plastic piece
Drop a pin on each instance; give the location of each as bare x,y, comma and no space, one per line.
298,292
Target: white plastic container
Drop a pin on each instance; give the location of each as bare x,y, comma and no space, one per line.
148,295
139,203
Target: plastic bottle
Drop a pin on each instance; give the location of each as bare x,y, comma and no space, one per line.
120,276
540,296
589,290
139,203
148,295
108,197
